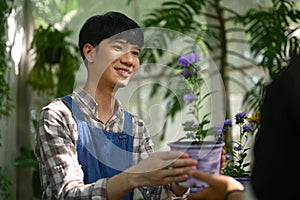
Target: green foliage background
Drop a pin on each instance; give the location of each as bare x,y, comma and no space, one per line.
5,103
267,30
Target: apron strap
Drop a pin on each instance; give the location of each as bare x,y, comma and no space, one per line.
68,100
77,114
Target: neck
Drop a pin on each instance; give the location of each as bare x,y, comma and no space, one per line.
106,98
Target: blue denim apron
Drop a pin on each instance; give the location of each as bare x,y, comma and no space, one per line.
102,154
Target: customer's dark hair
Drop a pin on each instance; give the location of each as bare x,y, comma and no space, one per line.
100,27
276,150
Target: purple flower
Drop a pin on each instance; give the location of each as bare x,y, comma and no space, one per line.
247,127
189,97
188,59
189,122
186,73
238,147
189,134
239,117
228,157
220,130
227,122
190,125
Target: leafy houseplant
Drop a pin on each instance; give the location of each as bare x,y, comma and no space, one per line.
6,104
197,141
56,61
237,164
27,159
196,130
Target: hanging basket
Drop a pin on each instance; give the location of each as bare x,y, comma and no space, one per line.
53,54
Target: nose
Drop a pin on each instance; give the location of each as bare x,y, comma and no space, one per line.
127,59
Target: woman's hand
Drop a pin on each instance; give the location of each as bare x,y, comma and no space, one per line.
219,187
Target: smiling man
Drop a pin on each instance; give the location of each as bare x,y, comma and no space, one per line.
88,146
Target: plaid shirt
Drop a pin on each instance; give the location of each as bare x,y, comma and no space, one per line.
60,172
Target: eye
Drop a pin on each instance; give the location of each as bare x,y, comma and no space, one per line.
135,53
117,47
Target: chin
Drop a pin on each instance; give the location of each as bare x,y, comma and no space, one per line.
121,85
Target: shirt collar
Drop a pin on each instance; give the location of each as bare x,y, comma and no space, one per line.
89,101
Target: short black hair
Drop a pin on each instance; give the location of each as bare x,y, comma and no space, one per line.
100,27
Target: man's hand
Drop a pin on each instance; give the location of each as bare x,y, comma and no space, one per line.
223,161
161,168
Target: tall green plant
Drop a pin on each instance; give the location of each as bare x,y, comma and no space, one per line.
272,39
5,103
5,183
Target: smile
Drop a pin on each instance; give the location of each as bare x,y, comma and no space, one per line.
123,72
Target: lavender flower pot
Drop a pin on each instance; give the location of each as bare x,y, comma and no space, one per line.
208,155
244,180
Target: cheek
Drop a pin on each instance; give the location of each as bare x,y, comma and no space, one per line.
137,63
106,57
107,60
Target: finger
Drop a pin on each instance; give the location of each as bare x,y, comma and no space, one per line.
175,179
184,162
179,171
208,178
166,158
223,163
223,156
223,151
171,155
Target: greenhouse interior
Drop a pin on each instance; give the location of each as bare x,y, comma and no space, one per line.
239,48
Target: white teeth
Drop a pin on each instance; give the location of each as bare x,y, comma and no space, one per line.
123,71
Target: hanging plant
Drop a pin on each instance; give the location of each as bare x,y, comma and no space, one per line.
5,103
56,61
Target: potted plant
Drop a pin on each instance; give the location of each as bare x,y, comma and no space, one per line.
238,162
200,141
27,159
56,61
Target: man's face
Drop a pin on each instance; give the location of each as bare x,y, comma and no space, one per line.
116,62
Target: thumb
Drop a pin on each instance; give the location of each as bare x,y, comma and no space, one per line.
208,178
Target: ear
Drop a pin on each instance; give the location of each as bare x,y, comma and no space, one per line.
89,52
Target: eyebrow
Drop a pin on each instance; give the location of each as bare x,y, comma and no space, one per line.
124,41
